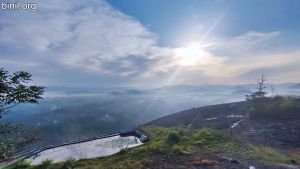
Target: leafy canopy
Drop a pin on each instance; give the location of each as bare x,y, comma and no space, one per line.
14,89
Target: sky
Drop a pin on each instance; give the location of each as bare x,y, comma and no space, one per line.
143,43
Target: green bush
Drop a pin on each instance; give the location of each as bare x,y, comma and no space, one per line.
46,164
69,164
173,138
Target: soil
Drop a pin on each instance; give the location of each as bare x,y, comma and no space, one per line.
204,161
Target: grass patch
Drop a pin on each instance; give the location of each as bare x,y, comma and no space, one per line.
246,152
276,108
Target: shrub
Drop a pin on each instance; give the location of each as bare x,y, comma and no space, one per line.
21,165
46,164
293,161
173,138
69,164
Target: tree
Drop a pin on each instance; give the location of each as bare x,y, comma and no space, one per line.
276,107
260,93
12,137
257,100
14,90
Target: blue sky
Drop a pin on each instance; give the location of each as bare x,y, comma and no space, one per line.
147,43
170,17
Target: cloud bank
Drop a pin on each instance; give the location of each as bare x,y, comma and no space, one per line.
90,42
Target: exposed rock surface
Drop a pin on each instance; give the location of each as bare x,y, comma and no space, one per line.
281,134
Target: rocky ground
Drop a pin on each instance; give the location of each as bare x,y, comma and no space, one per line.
282,135
206,161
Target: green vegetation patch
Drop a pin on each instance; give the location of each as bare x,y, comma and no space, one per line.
276,108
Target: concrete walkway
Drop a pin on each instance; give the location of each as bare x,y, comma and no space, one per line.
89,149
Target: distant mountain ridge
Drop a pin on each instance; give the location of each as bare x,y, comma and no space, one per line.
168,88
295,86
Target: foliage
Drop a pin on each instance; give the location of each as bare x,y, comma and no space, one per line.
260,93
20,165
69,164
13,136
173,138
14,90
46,164
276,107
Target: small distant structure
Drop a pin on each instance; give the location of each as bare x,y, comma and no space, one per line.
134,132
189,127
234,116
236,124
212,118
144,138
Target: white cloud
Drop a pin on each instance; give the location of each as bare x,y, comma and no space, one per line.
82,35
228,60
94,38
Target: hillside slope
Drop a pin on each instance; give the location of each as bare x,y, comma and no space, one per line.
280,133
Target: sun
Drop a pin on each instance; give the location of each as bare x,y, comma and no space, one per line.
190,55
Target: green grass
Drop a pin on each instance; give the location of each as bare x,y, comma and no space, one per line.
176,142
276,108
246,152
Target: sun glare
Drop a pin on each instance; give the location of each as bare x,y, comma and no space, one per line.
190,55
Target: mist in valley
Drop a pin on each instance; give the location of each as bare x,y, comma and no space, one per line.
66,114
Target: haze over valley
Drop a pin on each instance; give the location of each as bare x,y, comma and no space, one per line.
80,113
